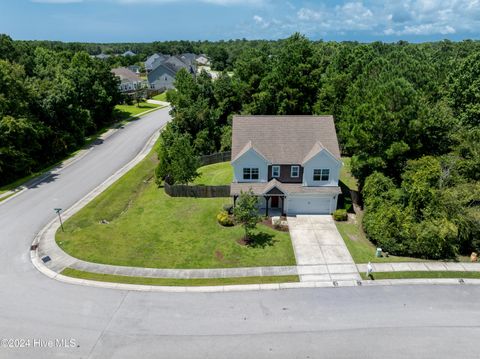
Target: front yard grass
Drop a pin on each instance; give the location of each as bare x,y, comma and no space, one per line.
123,112
178,282
215,175
144,227
161,97
422,274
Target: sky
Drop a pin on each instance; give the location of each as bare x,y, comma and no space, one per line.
159,20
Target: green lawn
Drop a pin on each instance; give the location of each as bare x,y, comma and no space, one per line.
346,175
147,228
161,97
216,174
122,112
177,282
425,274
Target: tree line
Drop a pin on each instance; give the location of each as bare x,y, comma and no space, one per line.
49,102
407,114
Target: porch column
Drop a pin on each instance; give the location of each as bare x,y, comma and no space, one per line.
283,205
234,200
267,199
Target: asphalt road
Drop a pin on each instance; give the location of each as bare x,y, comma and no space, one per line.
357,322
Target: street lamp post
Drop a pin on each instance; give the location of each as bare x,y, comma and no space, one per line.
58,210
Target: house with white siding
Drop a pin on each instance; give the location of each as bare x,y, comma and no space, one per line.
292,163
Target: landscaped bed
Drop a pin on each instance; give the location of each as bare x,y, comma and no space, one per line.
178,282
134,223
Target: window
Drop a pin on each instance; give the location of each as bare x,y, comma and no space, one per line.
275,171
294,172
321,174
250,173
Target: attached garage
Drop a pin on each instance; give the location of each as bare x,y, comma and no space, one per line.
309,205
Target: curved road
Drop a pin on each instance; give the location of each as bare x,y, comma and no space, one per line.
373,322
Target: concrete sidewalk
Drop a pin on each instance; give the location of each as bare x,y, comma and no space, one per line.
320,251
422,267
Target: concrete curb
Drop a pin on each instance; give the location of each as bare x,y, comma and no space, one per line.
66,163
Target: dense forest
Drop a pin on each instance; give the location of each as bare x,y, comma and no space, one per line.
49,102
407,114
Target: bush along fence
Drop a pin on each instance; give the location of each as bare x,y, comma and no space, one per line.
181,190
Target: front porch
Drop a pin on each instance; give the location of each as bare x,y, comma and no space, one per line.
272,202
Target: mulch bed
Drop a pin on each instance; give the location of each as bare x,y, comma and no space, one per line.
268,222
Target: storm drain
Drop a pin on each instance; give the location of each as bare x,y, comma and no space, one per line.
46,259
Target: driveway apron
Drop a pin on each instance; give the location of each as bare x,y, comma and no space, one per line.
320,251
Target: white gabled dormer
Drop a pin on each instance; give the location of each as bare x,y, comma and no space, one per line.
250,165
320,167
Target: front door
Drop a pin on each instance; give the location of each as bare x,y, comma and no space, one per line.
274,200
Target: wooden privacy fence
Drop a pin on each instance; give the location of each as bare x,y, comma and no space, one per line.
349,195
215,158
181,190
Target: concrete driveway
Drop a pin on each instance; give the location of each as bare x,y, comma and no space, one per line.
320,251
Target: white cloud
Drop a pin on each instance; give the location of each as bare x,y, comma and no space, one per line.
392,17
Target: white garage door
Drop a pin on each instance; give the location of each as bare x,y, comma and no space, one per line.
303,205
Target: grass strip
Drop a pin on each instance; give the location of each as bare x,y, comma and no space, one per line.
177,282
422,274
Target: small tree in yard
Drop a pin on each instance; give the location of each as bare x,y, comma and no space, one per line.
246,212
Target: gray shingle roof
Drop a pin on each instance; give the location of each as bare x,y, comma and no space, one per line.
126,74
285,139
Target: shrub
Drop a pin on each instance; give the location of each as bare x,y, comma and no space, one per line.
225,219
228,208
276,223
340,215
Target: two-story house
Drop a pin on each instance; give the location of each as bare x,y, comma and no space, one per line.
291,163
129,81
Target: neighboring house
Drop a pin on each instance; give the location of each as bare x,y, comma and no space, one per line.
135,69
202,60
159,61
162,77
154,60
128,53
129,81
164,68
101,56
177,63
291,163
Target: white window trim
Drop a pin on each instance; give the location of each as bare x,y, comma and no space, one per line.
298,171
321,174
251,174
273,170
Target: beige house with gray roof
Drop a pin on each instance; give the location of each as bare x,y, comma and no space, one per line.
291,162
